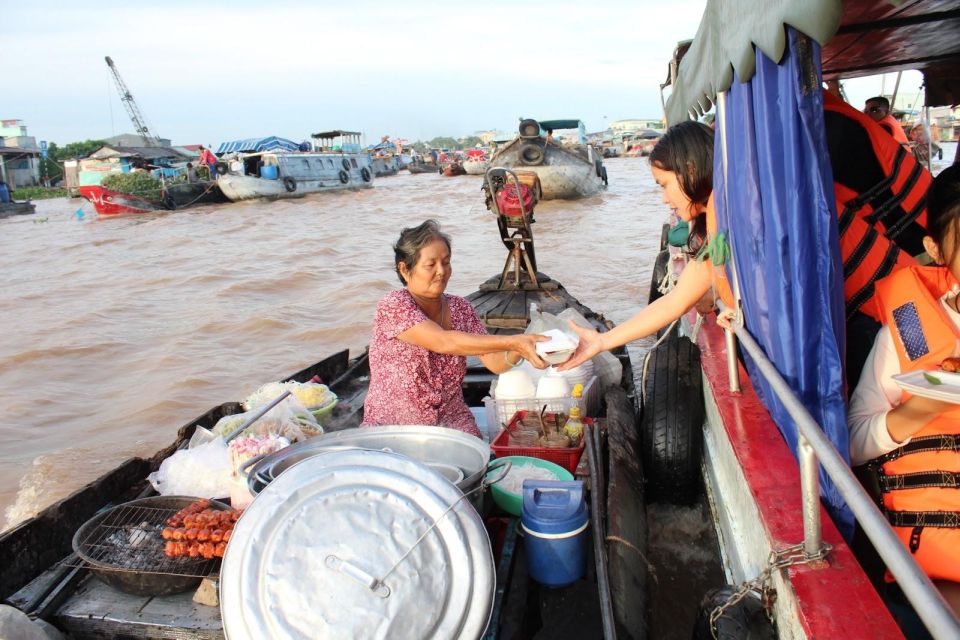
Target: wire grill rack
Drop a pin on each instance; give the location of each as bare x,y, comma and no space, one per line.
127,539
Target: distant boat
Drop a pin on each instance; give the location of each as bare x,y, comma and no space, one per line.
422,167
181,195
476,162
16,209
387,165
338,163
568,169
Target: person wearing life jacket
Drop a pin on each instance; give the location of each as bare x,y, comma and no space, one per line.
682,165
913,440
878,109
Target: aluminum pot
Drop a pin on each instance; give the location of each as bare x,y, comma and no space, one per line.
438,446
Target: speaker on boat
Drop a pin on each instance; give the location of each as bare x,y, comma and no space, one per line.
531,154
529,128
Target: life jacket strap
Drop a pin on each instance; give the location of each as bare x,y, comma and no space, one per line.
940,519
920,480
923,444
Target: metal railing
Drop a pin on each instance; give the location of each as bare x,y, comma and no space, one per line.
814,447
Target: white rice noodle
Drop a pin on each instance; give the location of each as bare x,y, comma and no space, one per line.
513,483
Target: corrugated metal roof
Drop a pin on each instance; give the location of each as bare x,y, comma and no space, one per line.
148,153
253,145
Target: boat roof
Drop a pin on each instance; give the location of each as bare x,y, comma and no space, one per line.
336,133
270,143
148,153
560,124
858,37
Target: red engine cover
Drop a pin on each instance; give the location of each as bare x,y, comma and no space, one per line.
509,203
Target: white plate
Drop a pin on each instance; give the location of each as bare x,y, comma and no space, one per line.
916,383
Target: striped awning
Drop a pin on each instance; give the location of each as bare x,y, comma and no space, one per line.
253,145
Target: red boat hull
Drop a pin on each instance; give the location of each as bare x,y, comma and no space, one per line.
112,203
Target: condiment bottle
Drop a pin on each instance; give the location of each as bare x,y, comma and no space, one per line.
574,426
577,395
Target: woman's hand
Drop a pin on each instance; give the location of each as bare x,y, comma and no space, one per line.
725,317
526,347
590,345
913,415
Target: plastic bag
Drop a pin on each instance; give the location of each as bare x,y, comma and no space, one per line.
311,395
203,470
289,419
606,366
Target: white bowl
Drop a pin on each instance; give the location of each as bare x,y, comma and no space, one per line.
552,387
515,385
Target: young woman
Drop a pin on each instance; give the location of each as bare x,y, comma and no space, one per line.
912,439
421,337
682,165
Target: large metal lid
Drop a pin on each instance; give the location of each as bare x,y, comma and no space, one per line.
312,555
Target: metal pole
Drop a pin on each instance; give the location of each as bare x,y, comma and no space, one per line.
810,490
927,129
936,614
733,366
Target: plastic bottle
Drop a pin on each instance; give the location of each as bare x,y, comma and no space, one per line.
574,426
577,395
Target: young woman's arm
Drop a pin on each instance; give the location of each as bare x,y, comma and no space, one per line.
694,282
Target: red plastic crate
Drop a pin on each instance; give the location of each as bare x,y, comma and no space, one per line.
568,458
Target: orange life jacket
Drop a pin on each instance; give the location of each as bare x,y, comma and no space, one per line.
880,184
920,481
895,128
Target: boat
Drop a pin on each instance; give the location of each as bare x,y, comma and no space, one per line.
8,209
419,166
573,169
453,168
476,163
337,162
773,415
180,195
42,578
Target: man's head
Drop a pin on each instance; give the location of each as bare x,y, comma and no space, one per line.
877,108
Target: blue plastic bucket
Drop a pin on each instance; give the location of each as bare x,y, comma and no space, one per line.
268,172
554,522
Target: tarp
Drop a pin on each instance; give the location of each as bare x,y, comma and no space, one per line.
255,145
780,218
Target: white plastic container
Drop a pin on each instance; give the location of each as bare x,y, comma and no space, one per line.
500,411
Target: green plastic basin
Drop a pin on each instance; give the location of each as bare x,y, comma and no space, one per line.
511,502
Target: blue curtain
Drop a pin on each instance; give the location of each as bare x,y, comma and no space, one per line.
780,218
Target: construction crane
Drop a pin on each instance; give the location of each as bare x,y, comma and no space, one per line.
139,122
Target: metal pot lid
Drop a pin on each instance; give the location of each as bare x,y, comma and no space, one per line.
312,555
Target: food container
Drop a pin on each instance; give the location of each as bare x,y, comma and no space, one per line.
554,521
568,457
510,501
515,384
500,412
350,521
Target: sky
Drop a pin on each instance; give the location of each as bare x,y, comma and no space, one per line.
208,72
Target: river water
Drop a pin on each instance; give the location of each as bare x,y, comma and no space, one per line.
117,331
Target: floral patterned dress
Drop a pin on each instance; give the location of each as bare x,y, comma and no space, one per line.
410,384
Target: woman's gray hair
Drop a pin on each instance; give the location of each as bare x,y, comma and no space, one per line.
413,240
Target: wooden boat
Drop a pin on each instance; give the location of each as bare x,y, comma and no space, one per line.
774,534
422,167
42,578
17,209
107,202
338,164
453,168
388,165
566,171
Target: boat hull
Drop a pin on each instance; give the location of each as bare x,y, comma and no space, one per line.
564,173
113,203
237,187
17,209
476,167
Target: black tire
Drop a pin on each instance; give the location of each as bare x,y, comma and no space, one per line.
671,427
365,174
599,167
169,202
604,177
529,128
345,163
664,235
742,621
290,184
531,154
660,266
222,167
344,177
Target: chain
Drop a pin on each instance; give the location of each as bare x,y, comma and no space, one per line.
763,585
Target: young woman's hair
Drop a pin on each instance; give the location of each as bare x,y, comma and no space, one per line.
413,240
943,211
686,149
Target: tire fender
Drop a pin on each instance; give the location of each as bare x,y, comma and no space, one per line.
671,425
222,167
345,163
531,154
289,184
365,174
344,177
660,266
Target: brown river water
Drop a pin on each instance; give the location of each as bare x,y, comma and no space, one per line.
117,331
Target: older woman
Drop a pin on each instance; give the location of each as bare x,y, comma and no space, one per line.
421,337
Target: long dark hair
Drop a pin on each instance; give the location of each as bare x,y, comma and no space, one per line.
412,241
943,211
686,149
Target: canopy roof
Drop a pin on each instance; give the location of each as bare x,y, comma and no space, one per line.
560,124
336,133
859,37
147,153
270,143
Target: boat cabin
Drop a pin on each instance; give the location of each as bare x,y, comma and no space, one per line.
337,141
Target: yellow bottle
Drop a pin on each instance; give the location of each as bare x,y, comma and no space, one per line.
577,394
574,426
